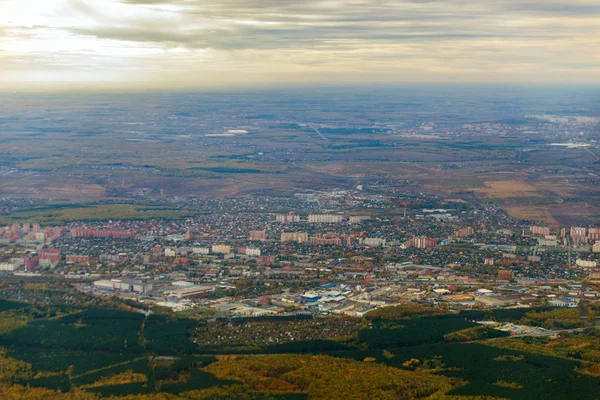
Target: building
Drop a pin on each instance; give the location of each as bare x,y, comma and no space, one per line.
594,233
75,259
221,249
8,266
123,285
201,250
325,218
310,297
577,232
170,252
567,302
258,235
285,218
266,260
357,219
101,233
596,247
464,232
191,291
298,237
52,255
594,276
585,263
373,242
326,239
49,257
32,263
182,284
142,287
488,261
104,285
506,274
548,241
495,300
249,251
539,230
422,242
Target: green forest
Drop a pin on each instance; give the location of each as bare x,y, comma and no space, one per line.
84,352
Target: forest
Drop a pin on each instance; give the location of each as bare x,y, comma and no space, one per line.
111,350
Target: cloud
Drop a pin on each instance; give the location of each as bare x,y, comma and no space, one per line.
166,40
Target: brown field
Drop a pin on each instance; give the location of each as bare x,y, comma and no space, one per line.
533,213
49,186
507,189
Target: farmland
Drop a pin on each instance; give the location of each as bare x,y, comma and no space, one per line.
120,147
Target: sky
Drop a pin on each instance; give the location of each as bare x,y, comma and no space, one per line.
146,44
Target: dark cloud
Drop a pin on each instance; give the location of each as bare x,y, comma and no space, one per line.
239,24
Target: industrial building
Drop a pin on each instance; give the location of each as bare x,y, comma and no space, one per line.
190,291
124,285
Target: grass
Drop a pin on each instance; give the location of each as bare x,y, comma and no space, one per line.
62,213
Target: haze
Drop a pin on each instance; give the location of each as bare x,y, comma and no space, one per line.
149,44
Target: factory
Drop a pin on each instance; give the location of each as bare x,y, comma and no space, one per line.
190,291
123,285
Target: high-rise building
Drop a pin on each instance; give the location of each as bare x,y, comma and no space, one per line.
586,263
464,232
326,239
577,232
422,242
505,274
101,233
540,230
325,218
298,237
258,235
221,249
356,219
594,233
285,218
252,252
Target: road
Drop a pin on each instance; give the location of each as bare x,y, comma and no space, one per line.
589,151
319,133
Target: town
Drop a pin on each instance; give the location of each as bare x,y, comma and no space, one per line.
341,253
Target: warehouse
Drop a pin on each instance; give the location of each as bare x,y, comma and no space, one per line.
191,291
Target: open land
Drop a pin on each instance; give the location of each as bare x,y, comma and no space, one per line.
118,147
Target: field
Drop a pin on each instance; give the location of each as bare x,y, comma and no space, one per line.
114,148
61,213
506,189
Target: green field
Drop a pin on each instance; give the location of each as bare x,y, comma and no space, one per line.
61,213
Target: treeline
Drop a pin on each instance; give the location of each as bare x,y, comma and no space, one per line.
404,311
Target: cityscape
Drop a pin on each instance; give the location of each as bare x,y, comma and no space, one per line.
314,200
